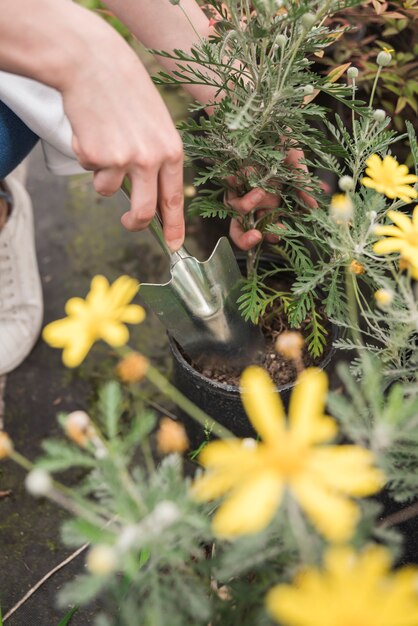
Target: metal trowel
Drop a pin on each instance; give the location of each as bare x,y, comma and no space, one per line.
198,305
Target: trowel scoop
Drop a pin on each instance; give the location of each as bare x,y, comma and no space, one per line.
198,305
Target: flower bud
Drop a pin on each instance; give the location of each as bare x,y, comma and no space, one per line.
308,90
290,344
346,183
38,482
379,115
171,437
308,20
383,58
356,268
383,297
280,41
132,368
102,560
6,445
352,72
189,191
78,428
341,208
165,514
249,443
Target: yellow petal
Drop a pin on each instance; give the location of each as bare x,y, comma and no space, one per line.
405,193
262,403
374,162
389,231
250,508
227,453
214,484
75,306
415,218
401,220
114,334
133,314
387,246
333,515
345,468
57,334
307,406
123,290
75,353
99,287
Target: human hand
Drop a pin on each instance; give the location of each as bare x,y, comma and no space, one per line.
121,127
261,202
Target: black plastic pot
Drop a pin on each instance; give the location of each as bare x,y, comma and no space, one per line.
222,401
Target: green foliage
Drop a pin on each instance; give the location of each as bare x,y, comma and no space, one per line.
67,618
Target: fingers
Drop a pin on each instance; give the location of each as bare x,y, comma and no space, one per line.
245,240
143,201
171,199
247,203
108,180
294,158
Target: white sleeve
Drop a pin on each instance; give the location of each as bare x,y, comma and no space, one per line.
41,108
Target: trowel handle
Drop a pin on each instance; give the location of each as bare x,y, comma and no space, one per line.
156,228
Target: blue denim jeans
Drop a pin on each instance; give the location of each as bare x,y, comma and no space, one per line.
16,140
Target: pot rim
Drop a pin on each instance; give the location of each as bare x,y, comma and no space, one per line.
227,387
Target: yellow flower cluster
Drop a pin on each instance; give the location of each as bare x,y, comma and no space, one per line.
102,315
388,177
290,457
352,590
403,238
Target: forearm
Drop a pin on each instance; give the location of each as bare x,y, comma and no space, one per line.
162,26
47,39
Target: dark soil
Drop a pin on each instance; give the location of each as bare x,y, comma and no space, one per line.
282,371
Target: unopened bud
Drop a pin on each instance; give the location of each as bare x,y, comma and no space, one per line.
6,445
78,428
308,20
308,90
352,72
383,58
346,183
171,437
280,41
189,191
379,115
102,560
383,297
290,344
132,368
38,482
341,208
356,268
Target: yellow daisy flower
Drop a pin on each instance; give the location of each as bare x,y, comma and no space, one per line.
100,316
403,238
388,177
352,589
289,456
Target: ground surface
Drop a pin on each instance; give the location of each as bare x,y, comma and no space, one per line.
78,235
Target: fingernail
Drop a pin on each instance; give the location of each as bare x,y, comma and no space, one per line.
254,237
258,194
175,244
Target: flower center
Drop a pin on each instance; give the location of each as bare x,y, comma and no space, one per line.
288,457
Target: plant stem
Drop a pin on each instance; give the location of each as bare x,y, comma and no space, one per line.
184,403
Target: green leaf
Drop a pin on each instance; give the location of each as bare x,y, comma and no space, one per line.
61,455
67,618
110,405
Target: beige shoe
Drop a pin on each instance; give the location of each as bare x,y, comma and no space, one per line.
21,305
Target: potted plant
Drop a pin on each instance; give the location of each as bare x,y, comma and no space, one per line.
261,60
